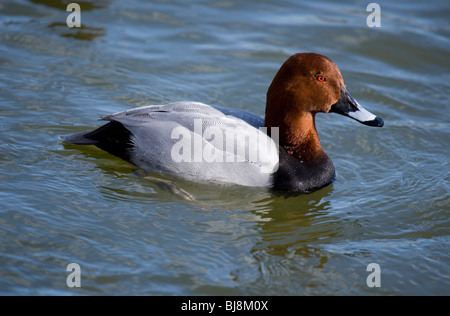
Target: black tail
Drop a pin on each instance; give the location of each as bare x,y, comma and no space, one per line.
112,137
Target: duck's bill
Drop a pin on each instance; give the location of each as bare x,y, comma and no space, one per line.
348,106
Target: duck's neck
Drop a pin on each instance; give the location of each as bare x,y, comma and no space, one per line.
304,165
298,136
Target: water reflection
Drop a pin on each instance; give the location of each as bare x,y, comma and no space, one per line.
84,32
288,227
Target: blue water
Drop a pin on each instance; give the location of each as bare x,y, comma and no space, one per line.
62,204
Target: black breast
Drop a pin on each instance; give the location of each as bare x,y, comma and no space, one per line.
295,175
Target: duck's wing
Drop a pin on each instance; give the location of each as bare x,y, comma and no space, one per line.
191,139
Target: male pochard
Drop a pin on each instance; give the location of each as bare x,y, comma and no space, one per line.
214,144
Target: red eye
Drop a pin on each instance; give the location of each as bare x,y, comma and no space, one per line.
320,78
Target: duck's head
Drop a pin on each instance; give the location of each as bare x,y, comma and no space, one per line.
308,83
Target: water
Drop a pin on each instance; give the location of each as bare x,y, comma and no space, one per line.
70,204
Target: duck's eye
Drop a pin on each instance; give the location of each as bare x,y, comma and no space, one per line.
320,78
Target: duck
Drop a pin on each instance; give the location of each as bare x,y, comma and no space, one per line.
213,144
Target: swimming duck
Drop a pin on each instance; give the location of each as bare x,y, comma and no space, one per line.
207,143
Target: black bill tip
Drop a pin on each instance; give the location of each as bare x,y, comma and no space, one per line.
377,122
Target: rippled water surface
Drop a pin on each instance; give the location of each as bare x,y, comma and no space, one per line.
62,204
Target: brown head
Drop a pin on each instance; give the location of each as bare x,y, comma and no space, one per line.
308,83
